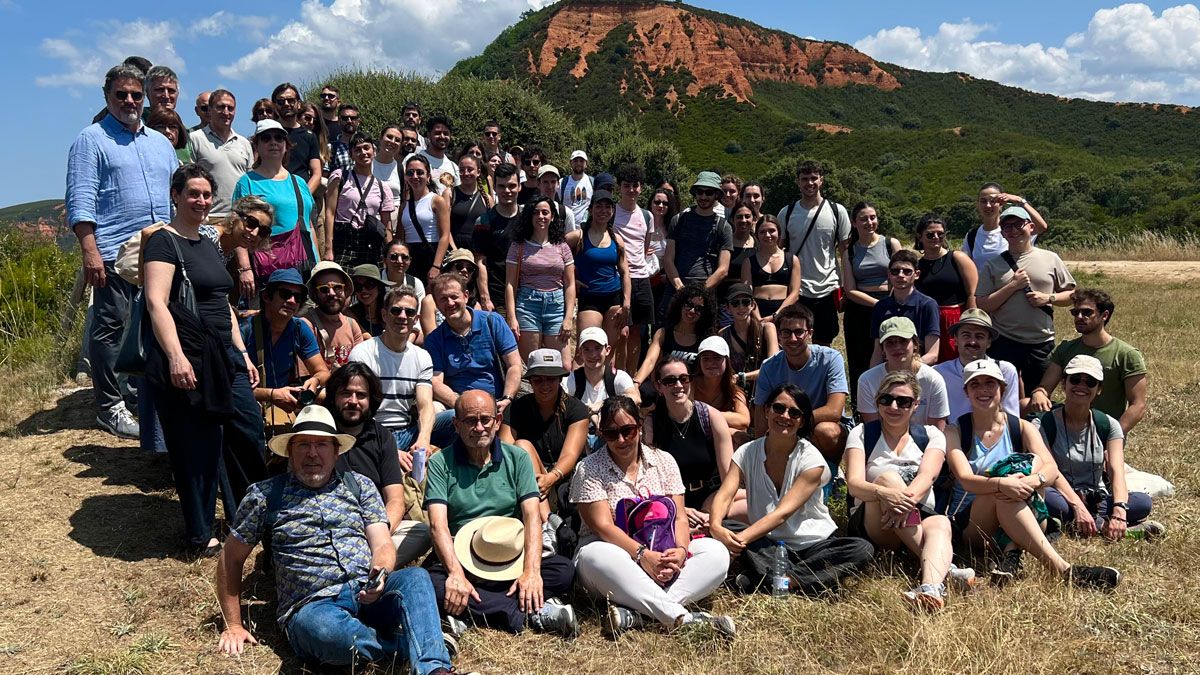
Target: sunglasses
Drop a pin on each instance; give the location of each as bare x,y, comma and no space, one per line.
414,173
532,162
660,202
672,380
1081,378
902,402
406,311
348,118
202,108
1085,313
134,96
741,302
706,193
398,257
332,287
472,422
328,95
491,134
902,271
252,224
273,138
789,411
367,285
620,433
463,267
935,235
693,307
286,294
264,112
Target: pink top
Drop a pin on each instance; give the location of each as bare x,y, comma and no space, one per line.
379,199
542,265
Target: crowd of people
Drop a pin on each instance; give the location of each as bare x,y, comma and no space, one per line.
448,389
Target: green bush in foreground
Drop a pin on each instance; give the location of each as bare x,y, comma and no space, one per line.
36,278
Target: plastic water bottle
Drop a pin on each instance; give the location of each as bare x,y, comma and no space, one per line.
418,461
781,583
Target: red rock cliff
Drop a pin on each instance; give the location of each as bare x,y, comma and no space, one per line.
732,57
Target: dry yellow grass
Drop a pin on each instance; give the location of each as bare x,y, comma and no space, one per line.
1143,246
87,527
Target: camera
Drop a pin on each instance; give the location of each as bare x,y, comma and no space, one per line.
306,398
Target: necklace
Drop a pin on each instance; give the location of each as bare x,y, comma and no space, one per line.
681,429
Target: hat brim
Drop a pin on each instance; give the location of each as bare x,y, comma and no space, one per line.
543,371
893,334
312,281
991,331
1083,371
279,444
379,280
481,568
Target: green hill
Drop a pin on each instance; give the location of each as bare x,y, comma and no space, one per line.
32,211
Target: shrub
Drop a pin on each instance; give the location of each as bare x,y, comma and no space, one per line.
36,278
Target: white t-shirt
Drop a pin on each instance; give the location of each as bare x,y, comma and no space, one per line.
390,175
906,462
400,373
577,195
811,522
632,227
952,374
439,166
818,258
933,404
988,245
594,395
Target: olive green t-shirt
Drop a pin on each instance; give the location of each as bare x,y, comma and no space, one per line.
1120,360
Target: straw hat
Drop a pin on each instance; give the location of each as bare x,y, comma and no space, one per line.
313,420
492,547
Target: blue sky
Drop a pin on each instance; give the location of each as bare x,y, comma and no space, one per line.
57,52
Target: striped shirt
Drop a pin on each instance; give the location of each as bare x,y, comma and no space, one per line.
400,373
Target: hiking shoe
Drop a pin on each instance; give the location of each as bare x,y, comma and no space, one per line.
556,617
742,584
119,422
927,597
722,624
962,579
1148,530
1093,576
451,643
454,627
617,620
1008,567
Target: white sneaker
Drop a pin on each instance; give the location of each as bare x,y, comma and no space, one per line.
961,579
119,422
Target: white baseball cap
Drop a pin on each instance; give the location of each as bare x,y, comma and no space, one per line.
593,334
579,154
548,168
982,367
1088,365
267,125
715,344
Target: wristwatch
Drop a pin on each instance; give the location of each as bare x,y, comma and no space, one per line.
505,397
1041,479
1122,505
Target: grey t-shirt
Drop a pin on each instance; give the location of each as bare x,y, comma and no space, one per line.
1080,456
1016,319
818,256
699,240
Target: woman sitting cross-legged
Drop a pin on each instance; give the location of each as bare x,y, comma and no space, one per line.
998,482
891,466
1090,496
650,567
783,473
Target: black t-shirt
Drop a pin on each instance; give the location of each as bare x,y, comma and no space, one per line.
699,241
546,435
333,129
374,456
527,194
206,269
491,239
305,148
464,214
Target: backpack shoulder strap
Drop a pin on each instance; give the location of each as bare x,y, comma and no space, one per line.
1103,427
580,380
275,486
919,436
787,218
966,432
1014,433
1049,425
871,433
610,382
352,485
705,424
972,234
648,217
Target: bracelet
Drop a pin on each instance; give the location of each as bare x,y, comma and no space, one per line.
558,472
243,269
640,552
1118,519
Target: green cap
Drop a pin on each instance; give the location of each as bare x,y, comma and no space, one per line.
897,326
707,179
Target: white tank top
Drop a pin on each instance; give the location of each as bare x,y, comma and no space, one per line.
425,218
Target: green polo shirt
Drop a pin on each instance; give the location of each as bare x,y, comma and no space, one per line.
470,492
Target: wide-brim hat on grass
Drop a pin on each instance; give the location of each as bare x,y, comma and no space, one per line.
329,266
313,420
492,547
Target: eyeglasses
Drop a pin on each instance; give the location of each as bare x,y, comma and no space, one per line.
202,108
532,162
660,202
414,173
399,257
1082,378
672,380
332,287
703,192
348,118
787,333
134,96
902,271
1085,313
694,307
406,311
264,113
789,411
934,234
741,302
621,432
286,294
472,422
902,402
491,134
269,137
289,100
1012,224
326,94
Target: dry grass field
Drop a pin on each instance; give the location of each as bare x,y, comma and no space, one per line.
88,527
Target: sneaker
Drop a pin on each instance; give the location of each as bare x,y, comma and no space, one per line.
1008,567
118,422
550,535
454,627
722,624
962,579
556,617
451,645
1148,530
617,620
927,597
1093,576
742,584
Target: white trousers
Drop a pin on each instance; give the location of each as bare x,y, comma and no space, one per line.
606,571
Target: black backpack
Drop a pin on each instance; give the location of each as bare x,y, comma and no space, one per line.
580,380
871,433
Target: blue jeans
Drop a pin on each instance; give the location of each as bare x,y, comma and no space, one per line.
1139,507
442,436
540,311
404,620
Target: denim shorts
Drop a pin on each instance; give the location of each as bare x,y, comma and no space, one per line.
540,311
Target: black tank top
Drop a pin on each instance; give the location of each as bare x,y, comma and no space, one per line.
463,213
692,449
941,281
672,348
759,276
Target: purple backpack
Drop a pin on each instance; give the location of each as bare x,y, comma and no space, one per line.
648,520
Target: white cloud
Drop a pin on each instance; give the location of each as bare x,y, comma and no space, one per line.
85,57
405,35
253,28
1126,53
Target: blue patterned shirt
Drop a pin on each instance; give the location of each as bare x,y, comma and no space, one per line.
320,538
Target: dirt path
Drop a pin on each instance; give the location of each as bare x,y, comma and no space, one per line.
1158,271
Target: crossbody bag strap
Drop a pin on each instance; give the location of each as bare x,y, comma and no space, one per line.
1007,256
362,193
412,216
299,203
812,223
